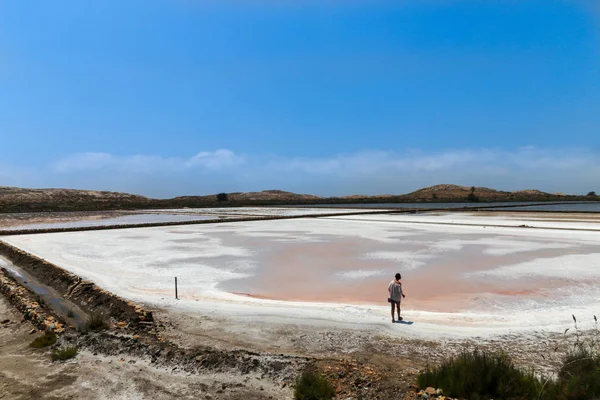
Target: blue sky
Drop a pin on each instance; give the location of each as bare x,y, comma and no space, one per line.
177,97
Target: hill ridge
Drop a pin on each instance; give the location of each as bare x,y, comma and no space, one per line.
56,199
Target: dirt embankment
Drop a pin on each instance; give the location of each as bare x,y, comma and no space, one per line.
29,304
27,373
84,293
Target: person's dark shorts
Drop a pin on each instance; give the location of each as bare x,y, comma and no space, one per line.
393,301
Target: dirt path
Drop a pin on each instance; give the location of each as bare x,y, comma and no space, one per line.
27,373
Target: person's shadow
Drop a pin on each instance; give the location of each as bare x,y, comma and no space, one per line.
405,322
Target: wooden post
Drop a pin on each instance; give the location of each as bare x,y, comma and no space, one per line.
176,289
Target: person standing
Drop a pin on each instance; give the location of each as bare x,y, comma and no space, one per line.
395,295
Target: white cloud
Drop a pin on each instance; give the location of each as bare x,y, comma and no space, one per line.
364,172
221,158
218,159
417,161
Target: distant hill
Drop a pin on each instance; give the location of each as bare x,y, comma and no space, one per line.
265,195
449,192
22,200
18,199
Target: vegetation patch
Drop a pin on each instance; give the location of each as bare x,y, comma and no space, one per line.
579,376
482,376
64,354
96,322
312,385
47,340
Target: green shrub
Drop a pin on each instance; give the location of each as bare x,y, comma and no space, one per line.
64,354
222,197
579,376
482,376
48,339
312,385
472,197
96,322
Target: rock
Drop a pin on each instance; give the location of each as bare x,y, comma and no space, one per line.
439,392
430,391
121,324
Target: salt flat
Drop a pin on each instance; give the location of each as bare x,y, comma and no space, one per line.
493,219
464,275
57,220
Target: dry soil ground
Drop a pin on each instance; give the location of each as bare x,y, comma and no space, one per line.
360,361
27,373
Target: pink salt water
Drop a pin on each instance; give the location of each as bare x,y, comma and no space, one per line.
319,272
